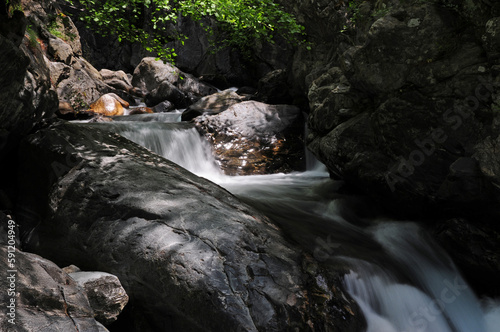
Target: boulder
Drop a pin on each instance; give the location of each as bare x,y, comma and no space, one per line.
163,81
274,89
58,71
212,104
189,254
60,50
167,91
120,80
81,85
408,115
107,75
256,138
150,73
48,21
164,106
109,105
46,298
105,293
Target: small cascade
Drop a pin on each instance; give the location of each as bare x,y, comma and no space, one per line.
312,163
178,142
421,290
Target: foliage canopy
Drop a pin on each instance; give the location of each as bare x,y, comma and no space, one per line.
152,22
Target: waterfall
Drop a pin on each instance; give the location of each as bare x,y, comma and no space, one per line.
433,295
401,280
178,142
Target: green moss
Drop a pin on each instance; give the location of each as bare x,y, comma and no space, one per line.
59,27
32,36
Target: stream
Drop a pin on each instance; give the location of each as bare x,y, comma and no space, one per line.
401,279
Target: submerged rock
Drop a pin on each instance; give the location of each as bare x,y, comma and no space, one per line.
189,254
256,138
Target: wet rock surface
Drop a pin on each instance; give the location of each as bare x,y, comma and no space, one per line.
163,81
209,261
255,138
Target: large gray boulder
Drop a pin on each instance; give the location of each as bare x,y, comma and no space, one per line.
163,81
255,138
189,254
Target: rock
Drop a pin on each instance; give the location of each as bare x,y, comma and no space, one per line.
209,261
274,89
406,114
212,104
67,112
193,87
58,72
60,50
5,201
332,101
246,91
255,138
65,107
107,75
150,73
109,105
105,293
26,93
120,80
71,268
82,86
167,91
164,106
67,31
163,81
46,296
140,110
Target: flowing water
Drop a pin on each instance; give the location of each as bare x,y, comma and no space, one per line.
399,277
